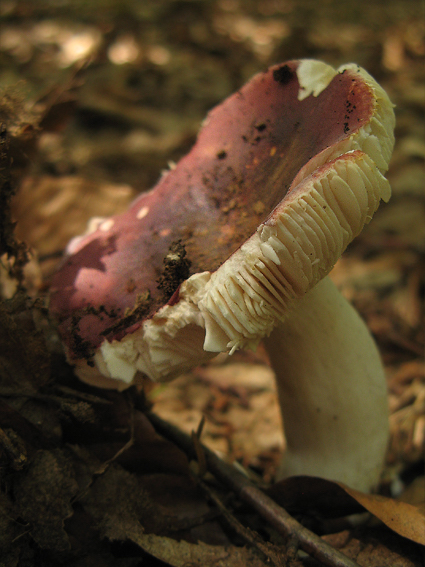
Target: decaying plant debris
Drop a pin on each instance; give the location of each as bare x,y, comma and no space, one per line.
93,105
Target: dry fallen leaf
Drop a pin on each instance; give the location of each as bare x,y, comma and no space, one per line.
317,496
182,553
124,510
403,518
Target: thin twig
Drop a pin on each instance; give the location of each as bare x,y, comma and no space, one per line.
249,493
200,454
245,533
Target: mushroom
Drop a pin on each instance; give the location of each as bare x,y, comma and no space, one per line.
233,246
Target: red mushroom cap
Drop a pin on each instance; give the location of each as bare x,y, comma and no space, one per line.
287,130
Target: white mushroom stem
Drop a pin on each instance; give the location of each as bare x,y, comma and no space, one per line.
332,391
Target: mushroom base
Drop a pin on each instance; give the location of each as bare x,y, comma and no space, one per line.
332,391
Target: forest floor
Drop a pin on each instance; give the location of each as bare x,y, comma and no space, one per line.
98,97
